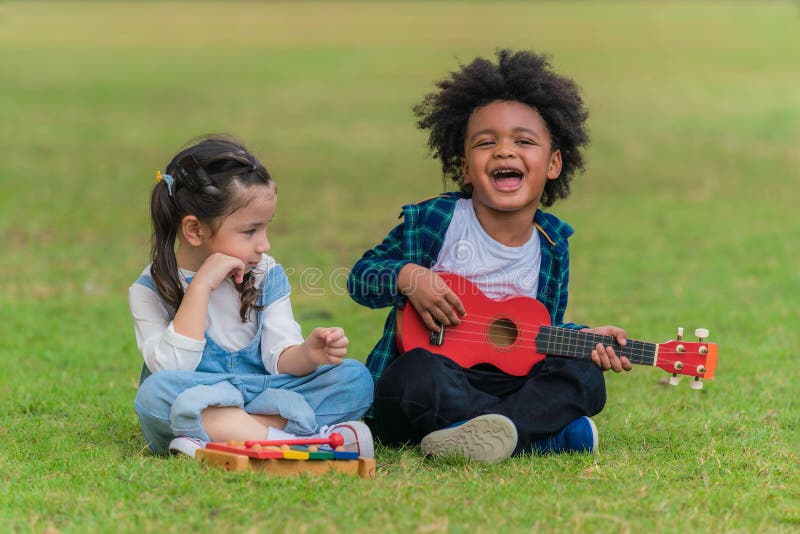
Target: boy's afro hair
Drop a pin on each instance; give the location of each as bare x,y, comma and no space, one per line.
523,77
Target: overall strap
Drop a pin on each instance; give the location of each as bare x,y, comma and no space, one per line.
274,287
147,281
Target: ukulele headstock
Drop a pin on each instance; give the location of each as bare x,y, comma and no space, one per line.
691,358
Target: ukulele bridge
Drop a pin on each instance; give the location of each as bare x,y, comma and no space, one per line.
437,338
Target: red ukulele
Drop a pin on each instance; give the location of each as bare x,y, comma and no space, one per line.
515,333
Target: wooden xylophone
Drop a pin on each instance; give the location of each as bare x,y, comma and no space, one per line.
287,457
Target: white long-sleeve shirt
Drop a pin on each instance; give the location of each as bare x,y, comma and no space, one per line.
163,348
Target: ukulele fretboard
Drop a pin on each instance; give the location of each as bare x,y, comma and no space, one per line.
575,344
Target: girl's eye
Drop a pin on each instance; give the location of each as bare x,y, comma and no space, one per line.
524,141
252,231
485,143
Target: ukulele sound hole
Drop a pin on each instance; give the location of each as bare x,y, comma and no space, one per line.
503,333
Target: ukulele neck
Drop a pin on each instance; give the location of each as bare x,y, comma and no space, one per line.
572,343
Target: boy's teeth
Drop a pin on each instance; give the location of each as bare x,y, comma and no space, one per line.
507,173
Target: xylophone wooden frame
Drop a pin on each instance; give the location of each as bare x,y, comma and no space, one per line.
283,460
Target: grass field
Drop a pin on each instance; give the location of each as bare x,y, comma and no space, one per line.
685,217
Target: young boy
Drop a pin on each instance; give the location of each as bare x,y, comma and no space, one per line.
510,135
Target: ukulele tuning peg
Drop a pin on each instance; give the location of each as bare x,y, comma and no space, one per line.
701,333
696,383
680,333
674,380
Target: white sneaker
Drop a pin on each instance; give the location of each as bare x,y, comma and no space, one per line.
186,445
489,438
357,437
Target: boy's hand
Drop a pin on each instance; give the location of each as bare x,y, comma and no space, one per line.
326,345
430,296
605,357
216,268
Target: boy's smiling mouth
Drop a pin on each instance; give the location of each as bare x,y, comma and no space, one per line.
507,178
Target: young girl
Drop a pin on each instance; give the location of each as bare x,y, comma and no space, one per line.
224,358
510,135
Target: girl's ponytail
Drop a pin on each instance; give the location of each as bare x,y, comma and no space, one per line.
164,266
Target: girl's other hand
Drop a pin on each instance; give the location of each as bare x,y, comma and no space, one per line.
327,345
605,357
430,296
217,267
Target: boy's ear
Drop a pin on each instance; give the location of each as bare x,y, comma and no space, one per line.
554,169
465,170
193,230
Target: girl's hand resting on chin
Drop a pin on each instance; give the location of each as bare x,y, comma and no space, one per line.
190,319
217,267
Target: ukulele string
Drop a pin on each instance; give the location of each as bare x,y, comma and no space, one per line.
581,352
638,358
595,338
534,327
463,336
635,355
634,351
559,333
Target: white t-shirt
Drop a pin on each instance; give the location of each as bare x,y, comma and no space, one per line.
499,271
163,348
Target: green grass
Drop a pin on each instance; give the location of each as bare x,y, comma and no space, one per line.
685,217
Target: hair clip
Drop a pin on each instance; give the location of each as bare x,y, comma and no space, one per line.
170,181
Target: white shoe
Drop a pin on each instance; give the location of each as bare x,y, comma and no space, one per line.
489,438
357,437
185,445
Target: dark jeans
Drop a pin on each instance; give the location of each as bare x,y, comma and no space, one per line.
420,392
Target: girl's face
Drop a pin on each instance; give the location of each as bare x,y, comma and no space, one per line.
508,157
243,233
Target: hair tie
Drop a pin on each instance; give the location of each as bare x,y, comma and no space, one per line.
170,181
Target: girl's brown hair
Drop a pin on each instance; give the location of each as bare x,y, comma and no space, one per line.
204,179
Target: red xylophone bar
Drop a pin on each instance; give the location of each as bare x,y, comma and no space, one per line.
334,440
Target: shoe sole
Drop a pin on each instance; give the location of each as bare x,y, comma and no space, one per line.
487,438
180,446
365,449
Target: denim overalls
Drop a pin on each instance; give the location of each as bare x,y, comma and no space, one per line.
169,403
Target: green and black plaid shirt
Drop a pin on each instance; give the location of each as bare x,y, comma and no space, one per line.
418,239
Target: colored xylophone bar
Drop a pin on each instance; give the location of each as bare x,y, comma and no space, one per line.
284,459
